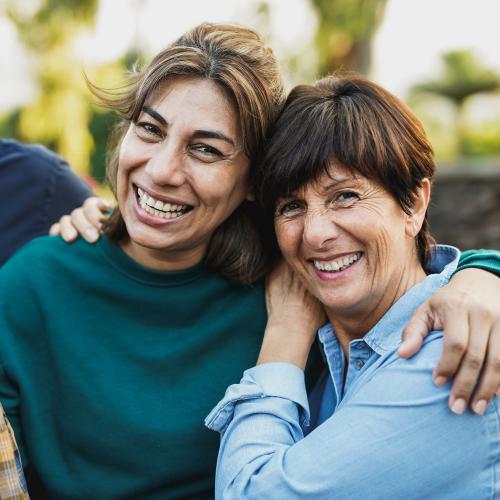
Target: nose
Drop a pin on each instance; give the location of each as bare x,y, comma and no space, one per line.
320,229
166,165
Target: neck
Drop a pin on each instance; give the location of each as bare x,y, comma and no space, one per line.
161,260
357,322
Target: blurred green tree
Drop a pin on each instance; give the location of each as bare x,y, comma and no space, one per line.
463,76
345,33
63,115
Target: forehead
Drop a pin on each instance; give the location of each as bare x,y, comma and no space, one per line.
335,175
196,103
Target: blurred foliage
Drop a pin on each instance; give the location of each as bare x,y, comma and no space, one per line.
62,115
482,141
463,77
44,25
439,116
345,32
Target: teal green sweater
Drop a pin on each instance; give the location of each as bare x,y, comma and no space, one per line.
108,368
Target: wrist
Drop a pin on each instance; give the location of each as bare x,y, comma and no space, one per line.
286,345
470,275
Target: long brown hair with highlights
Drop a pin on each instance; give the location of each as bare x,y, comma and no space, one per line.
236,59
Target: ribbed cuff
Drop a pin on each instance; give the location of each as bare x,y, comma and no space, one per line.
488,260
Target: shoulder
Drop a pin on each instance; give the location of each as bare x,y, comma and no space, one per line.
392,378
45,254
19,162
32,158
424,361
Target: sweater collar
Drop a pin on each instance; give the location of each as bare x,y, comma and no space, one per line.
135,271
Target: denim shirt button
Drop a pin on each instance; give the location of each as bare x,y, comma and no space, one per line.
359,363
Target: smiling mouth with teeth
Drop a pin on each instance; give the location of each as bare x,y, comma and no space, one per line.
335,266
159,208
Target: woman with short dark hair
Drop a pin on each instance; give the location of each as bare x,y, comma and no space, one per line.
346,179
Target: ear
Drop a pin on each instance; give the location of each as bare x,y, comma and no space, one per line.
416,218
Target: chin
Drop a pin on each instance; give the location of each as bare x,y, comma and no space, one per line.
339,302
146,239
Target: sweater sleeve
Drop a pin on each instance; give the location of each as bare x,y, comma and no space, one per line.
488,260
21,322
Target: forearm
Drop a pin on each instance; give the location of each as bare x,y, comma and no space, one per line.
281,345
259,420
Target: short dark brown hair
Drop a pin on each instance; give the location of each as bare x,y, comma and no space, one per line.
237,59
349,120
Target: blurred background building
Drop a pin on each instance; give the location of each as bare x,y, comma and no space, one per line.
441,56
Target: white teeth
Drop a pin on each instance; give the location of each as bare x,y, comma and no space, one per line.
338,265
159,208
160,213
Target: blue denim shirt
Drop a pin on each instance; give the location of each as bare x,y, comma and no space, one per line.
386,432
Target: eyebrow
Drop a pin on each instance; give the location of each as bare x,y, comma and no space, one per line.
212,134
197,134
154,114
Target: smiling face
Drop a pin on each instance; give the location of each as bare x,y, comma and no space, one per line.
181,173
351,244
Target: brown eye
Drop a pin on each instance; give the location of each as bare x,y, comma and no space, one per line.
289,208
205,149
147,130
346,197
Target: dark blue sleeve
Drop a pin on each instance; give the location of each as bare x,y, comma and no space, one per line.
66,192
37,187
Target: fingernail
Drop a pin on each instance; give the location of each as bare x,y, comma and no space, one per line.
440,380
458,406
91,234
480,407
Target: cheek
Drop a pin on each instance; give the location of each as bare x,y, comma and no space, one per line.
384,237
126,147
125,160
289,236
220,190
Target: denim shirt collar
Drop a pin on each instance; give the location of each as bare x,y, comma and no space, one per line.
385,336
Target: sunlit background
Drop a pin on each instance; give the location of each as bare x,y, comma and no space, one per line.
441,56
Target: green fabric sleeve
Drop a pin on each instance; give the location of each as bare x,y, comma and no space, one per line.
489,260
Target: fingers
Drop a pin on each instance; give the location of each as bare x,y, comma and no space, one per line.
95,211
490,378
470,368
67,231
455,342
416,331
84,227
55,229
88,219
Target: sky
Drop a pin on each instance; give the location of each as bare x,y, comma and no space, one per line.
407,47
414,34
